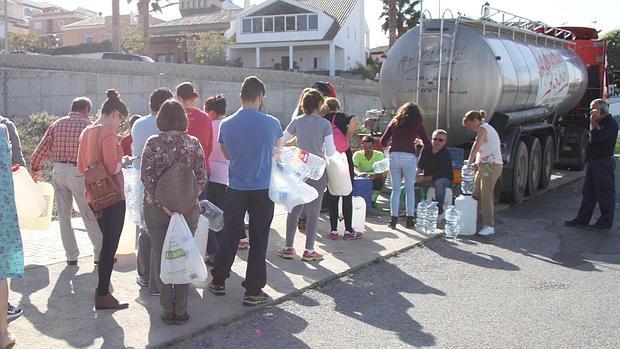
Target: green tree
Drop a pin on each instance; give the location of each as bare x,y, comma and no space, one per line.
613,49
369,70
133,41
29,43
407,16
206,48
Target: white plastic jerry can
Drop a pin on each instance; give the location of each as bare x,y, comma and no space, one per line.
43,221
358,219
468,208
28,197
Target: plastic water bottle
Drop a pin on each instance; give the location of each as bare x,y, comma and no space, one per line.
467,179
452,228
381,166
213,213
420,223
301,164
432,211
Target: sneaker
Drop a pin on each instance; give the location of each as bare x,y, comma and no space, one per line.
333,235
311,256
353,235
14,312
218,290
260,298
287,253
141,282
486,230
154,293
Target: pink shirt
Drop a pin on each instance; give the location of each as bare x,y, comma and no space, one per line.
218,164
110,148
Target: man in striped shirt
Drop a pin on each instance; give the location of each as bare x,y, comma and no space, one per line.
60,144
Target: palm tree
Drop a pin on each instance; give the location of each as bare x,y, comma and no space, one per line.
143,15
406,15
392,21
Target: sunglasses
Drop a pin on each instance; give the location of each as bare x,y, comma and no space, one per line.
440,140
593,109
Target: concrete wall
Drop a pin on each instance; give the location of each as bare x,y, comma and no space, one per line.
32,84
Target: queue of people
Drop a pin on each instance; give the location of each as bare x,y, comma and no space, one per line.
197,154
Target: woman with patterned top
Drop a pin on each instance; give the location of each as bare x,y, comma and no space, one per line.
11,251
102,137
161,151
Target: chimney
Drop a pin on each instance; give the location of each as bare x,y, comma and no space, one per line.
246,4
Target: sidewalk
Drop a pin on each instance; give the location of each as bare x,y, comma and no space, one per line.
58,300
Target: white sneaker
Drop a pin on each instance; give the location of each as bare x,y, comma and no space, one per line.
486,230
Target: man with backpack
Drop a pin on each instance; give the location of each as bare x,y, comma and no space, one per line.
248,190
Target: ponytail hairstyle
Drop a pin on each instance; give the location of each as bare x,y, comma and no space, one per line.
407,114
311,101
479,115
114,103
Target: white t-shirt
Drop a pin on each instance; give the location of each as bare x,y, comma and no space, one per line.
490,151
217,161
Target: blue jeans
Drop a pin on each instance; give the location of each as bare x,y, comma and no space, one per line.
402,164
440,185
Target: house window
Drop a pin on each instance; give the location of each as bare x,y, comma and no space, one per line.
247,25
268,24
313,22
279,23
257,25
302,22
319,63
61,23
88,38
290,23
37,25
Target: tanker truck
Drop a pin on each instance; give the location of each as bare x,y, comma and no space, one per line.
534,81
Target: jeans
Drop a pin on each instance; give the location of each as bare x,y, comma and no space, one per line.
402,164
111,225
440,185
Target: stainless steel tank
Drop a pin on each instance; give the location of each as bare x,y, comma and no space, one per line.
483,66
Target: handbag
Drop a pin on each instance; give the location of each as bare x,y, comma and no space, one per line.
176,188
100,186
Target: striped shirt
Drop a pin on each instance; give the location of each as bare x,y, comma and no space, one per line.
61,141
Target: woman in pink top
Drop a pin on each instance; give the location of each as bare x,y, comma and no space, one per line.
103,131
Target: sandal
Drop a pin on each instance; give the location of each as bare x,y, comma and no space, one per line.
168,318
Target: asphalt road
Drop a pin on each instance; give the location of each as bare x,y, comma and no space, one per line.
535,284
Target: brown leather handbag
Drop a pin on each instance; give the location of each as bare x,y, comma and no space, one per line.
176,188
102,188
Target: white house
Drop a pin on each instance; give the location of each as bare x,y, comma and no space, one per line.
308,35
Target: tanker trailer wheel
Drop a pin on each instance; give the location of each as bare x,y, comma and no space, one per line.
519,174
547,162
534,165
582,153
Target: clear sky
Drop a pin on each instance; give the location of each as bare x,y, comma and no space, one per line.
601,14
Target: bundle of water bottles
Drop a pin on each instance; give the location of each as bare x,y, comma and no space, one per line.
427,213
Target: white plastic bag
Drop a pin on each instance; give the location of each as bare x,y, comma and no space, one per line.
181,261
201,237
134,194
213,213
338,177
289,191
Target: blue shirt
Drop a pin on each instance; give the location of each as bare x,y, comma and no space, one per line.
249,137
142,129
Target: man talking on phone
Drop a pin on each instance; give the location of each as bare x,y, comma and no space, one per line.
599,183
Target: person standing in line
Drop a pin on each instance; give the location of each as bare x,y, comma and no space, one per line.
249,174
343,127
11,253
402,131
487,153
17,158
436,165
599,186
218,179
60,143
142,129
127,139
198,122
101,136
161,152
363,161
314,135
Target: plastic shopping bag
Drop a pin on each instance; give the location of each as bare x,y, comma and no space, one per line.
134,194
181,261
289,191
201,237
338,177
213,213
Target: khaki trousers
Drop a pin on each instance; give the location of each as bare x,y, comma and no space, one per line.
69,185
484,188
